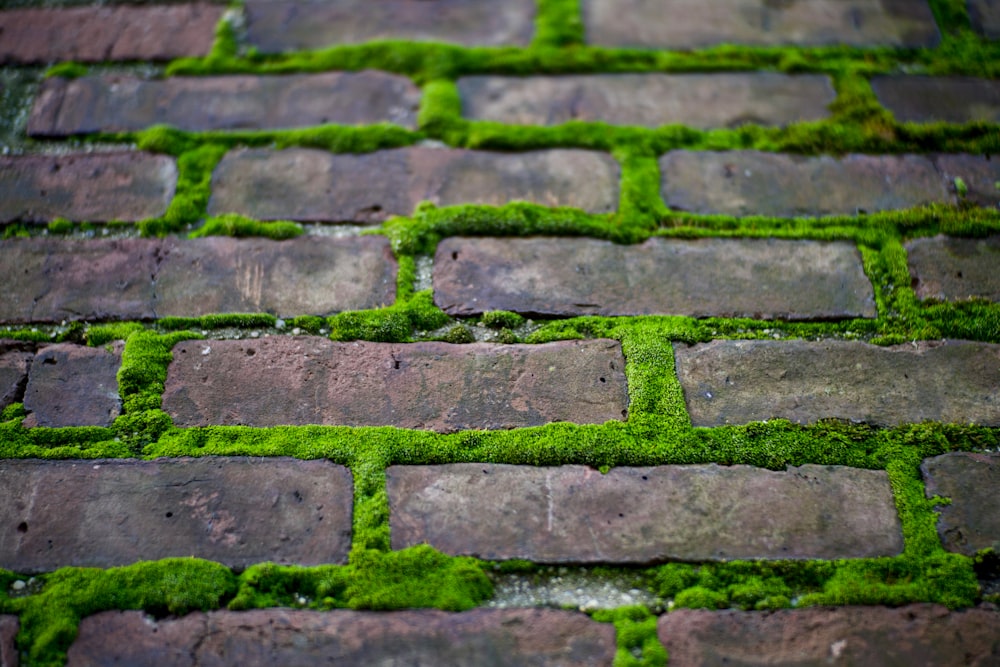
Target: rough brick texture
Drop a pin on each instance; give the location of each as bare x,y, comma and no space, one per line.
9,626
970,522
775,184
94,187
235,511
313,185
950,99
418,638
275,25
434,386
942,267
71,279
574,514
707,277
979,173
650,100
920,634
739,381
15,361
118,103
685,24
99,34
73,385
985,17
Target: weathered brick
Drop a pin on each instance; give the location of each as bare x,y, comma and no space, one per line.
954,268
435,386
15,361
308,275
650,100
114,512
574,514
419,638
117,103
685,24
766,278
979,173
970,522
275,25
73,385
985,17
313,185
918,634
925,99
98,34
739,381
756,183
9,626
94,187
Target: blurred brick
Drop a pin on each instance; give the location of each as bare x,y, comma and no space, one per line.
9,626
955,268
985,17
926,99
15,361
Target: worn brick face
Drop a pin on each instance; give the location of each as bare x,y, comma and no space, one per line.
969,523
926,99
954,269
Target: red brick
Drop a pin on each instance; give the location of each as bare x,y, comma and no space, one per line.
435,386
650,100
574,514
275,25
739,381
94,187
73,385
421,638
969,523
9,626
687,24
954,268
919,634
765,279
15,360
97,34
925,99
313,185
117,103
238,512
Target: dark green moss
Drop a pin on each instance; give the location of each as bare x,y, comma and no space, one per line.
459,334
502,319
219,321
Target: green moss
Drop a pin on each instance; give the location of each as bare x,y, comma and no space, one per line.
558,24
459,334
635,635
233,224
502,319
60,226
219,321
102,334
67,70
309,323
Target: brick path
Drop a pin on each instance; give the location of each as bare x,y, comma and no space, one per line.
321,323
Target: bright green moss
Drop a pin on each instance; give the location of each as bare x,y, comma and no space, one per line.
635,635
501,319
60,226
67,70
558,24
233,224
102,334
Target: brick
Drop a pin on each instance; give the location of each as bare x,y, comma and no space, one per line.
99,34
275,26
232,510
434,386
9,627
308,275
980,173
916,634
686,24
420,638
73,385
650,100
954,268
985,17
765,279
117,103
755,183
970,523
574,514
925,99
94,187
15,361
313,185
739,381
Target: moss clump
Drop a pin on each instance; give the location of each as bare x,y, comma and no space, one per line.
635,634
459,334
67,70
219,321
502,319
232,224
60,226
105,333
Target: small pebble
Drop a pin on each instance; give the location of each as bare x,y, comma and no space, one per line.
18,585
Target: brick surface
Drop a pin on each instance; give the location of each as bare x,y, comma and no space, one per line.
9,626
94,187
684,24
234,511
15,360
970,523
768,278
739,381
650,100
275,25
985,17
434,386
574,514
307,275
918,634
73,385
313,185
954,268
980,173
951,99
418,638
98,34
116,103
72,279
775,184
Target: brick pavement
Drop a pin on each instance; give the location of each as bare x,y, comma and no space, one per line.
560,293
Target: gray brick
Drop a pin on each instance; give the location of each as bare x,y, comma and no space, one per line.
955,268
985,17
926,99
970,522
